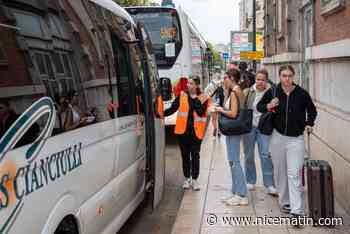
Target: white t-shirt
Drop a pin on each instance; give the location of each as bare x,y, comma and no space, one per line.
227,104
75,115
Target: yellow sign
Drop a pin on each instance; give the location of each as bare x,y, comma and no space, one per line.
251,55
259,42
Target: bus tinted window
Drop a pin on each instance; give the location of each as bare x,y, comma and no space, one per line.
3,58
164,30
125,83
49,51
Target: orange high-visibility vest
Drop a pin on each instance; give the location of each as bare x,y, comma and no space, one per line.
160,107
182,116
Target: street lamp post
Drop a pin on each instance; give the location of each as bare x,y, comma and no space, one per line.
209,57
254,32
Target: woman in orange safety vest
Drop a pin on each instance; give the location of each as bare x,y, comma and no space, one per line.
190,127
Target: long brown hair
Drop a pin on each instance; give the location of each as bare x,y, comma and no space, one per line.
235,75
197,81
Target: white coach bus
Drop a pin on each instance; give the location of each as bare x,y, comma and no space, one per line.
81,126
179,47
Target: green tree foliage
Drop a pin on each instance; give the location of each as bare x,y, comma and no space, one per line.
126,3
216,55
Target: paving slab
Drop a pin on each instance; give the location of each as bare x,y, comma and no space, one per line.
203,212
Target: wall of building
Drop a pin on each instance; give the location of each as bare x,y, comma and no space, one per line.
282,31
281,37
333,27
241,15
270,27
293,26
246,14
329,72
330,141
328,62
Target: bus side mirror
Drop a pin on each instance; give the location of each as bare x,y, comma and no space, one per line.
165,88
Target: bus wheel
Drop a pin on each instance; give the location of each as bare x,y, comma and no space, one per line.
67,226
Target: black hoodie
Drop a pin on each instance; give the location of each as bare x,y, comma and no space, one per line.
293,113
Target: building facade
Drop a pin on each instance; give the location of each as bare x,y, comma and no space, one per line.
314,36
244,41
246,15
281,35
260,5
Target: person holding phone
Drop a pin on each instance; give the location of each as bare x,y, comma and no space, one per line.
235,96
294,112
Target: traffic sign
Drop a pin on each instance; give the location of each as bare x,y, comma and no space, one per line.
251,55
225,55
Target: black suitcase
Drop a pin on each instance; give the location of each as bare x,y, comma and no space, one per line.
320,189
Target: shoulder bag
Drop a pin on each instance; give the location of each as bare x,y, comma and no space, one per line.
239,125
265,124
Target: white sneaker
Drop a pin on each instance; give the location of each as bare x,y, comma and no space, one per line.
226,199
237,201
271,190
195,185
250,187
187,184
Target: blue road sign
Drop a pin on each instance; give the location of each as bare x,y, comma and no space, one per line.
225,55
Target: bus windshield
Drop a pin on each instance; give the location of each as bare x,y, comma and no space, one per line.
164,29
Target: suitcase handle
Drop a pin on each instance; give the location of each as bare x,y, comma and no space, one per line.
306,159
308,145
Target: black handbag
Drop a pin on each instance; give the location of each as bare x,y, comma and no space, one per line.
242,124
265,124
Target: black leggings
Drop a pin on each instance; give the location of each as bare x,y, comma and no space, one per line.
190,156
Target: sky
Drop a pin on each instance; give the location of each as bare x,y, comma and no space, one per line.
213,18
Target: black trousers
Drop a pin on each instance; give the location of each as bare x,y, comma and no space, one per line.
190,148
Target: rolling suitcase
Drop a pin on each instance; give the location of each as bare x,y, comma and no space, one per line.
320,190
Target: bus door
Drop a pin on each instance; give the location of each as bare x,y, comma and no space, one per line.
154,121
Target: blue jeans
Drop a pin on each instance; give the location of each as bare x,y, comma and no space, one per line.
249,141
239,185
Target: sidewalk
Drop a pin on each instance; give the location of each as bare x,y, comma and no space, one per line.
201,212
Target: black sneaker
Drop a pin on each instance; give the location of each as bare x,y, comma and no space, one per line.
285,209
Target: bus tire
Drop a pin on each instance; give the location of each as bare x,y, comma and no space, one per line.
68,226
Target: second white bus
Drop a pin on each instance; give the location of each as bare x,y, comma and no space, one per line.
179,47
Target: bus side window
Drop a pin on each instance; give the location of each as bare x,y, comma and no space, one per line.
138,74
125,83
154,77
32,67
